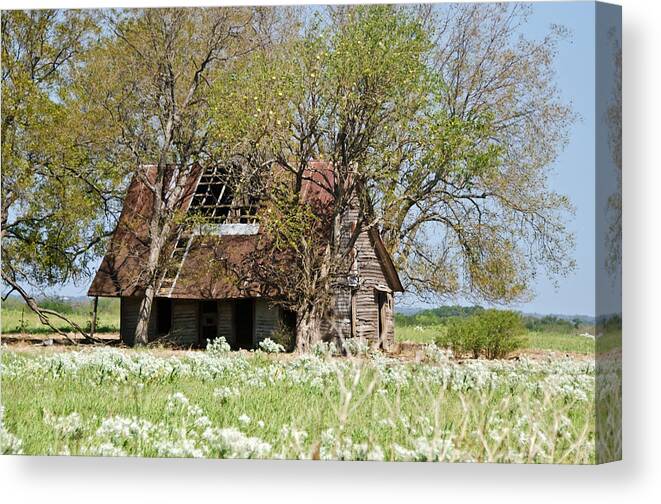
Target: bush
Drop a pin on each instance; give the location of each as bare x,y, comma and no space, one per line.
284,336
492,333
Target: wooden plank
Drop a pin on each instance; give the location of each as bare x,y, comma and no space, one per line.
266,320
185,321
95,306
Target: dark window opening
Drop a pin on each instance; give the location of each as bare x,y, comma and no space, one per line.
163,316
381,300
288,318
353,315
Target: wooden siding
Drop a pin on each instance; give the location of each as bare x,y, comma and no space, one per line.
185,321
128,320
371,275
225,326
341,319
356,310
266,322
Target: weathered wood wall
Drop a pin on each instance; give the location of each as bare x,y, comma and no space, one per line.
128,320
267,319
185,321
356,310
225,326
371,275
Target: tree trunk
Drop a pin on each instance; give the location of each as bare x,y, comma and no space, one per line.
160,227
308,329
144,313
144,316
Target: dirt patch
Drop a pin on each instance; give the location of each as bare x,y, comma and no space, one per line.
53,339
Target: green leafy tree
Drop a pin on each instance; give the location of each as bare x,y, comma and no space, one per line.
336,95
492,333
147,81
435,141
58,204
459,220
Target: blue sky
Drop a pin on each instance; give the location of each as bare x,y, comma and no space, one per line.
573,173
574,170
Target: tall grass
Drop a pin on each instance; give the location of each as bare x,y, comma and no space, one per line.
113,402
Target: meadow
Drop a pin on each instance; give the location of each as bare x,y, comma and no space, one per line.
368,406
17,318
155,402
533,340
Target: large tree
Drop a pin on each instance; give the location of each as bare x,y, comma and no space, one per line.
484,234
58,204
348,93
439,125
148,82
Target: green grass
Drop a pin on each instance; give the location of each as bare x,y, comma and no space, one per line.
534,340
560,342
419,334
17,318
401,405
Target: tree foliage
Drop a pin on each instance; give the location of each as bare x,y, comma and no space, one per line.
475,216
439,124
58,203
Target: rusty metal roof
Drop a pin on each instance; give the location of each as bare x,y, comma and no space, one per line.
205,271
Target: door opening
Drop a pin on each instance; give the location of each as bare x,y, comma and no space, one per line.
381,301
244,316
208,321
163,316
288,321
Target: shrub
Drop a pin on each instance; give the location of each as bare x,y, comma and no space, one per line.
464,336
503,332
284,336
492,333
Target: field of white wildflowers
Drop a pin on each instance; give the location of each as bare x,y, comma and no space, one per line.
264,405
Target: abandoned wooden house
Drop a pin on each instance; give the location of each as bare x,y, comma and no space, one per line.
194,303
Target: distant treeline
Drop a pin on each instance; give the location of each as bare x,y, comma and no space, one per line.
436,316
552,323
442,314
